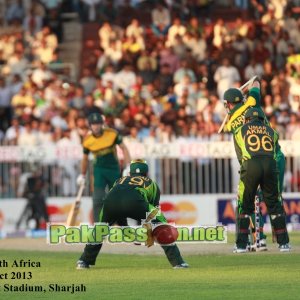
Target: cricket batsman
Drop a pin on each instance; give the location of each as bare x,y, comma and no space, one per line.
102,142
257,144
133,196
236,108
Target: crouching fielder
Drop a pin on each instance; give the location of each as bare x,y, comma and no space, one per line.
257,143
133,196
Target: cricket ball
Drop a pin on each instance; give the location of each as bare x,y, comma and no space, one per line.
165,234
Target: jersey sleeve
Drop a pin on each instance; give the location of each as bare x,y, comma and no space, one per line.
157,195
254,95
153,193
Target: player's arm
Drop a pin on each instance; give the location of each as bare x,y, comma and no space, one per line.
126,153
156,195
84,166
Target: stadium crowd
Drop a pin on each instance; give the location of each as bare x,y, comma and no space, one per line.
159,81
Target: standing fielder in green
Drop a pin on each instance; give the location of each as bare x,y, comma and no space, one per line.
233,100
106,170
132,196
257,143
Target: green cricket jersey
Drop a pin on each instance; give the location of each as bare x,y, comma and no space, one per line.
103,147
256,139
237,118
147,188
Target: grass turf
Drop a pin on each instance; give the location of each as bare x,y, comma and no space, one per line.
233,276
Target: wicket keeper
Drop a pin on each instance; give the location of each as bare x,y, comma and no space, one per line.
133,196
102,142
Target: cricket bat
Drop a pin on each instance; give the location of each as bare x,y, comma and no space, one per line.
75,208
250,81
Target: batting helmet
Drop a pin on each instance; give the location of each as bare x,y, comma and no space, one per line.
95,118
233,95
139,167
165,234
254,113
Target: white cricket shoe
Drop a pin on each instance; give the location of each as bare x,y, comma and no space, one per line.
284,248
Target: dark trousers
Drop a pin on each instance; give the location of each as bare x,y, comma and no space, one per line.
103,178
263,171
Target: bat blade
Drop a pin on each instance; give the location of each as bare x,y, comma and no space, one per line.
75,208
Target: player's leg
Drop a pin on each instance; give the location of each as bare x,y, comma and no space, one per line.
109,215
280,160
111,175
100,184
138,210
275,209
249,181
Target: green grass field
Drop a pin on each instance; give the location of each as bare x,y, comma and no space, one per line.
231,276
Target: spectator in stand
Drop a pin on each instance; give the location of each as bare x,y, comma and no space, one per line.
184,71
41,75
125,79
134,29
146,58
13,132
293,128
80,130
77,101
280,85
282,49
226,76
221,34
252,69
147,74
114,52
33,22
240,47
16,64
194,27
161,19
28,136
167,56
44,135
176,29
22,100
197,44
106,34
164,79
87,81
89,106
294,103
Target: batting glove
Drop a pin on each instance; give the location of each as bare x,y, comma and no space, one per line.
80,180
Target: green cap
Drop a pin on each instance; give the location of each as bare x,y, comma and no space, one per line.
139,166
254,113
233,95
95,118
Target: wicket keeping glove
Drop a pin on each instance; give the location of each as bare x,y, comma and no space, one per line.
80,180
